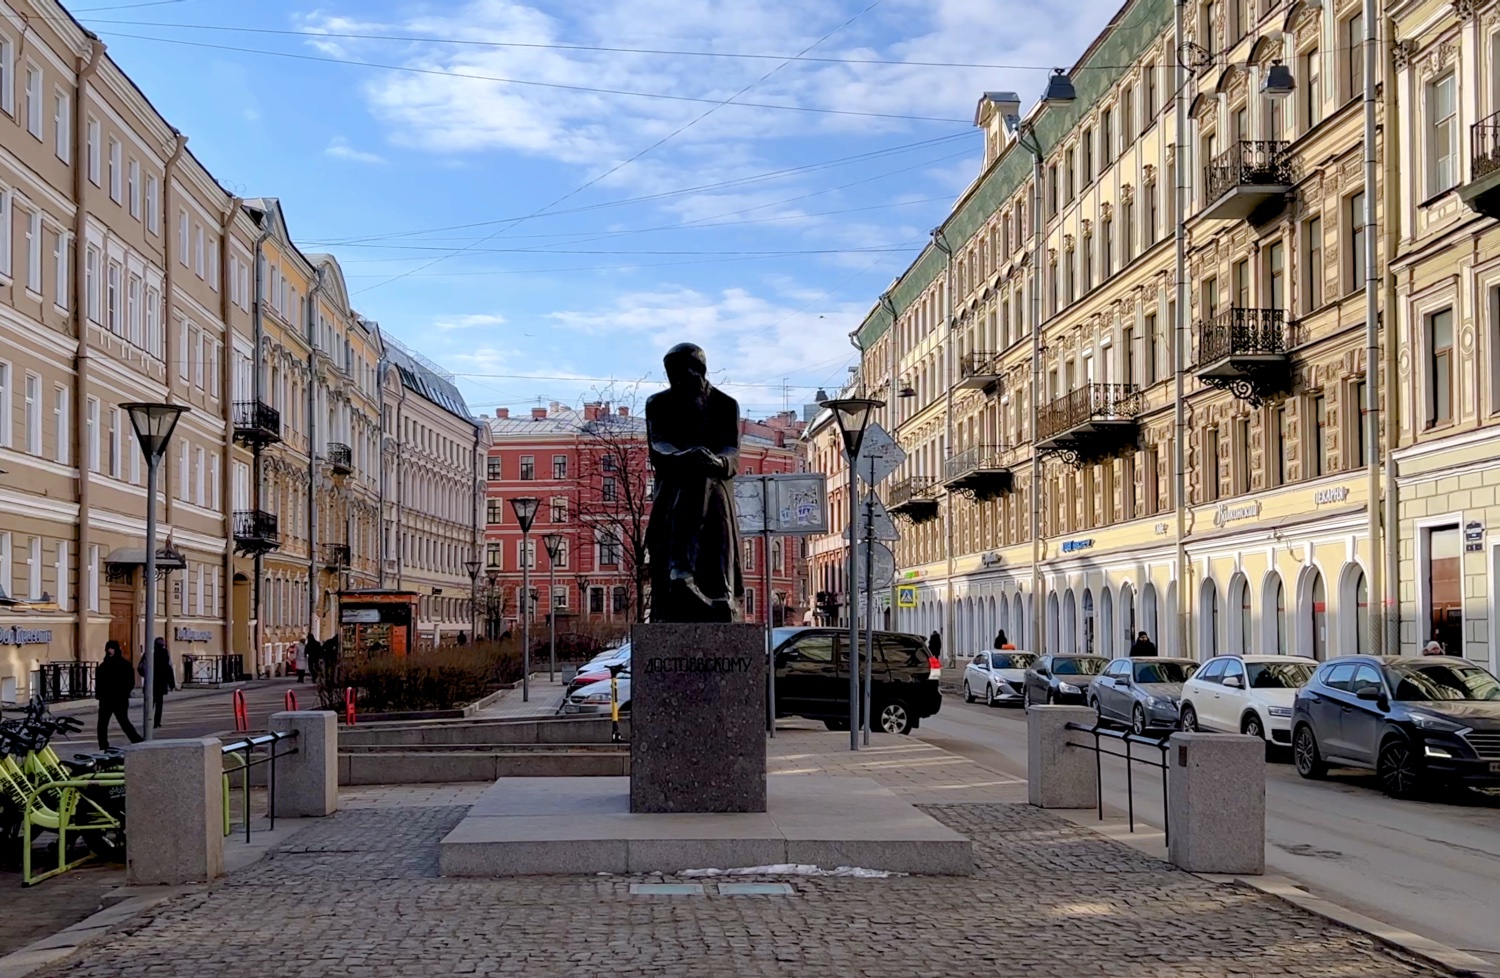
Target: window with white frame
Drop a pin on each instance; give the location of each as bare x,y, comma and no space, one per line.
91,282
112,300
60,568
153,204
154,338
116,171
92,434
213,482
93,150
7,582
60,262
182,237
93,588
116,442
184,472
213,265
33,402
34,252
133,186
34,100
62,125
1442,134
526,553
133,324
200,477
34,568
60,429
7,207
198,251
7,83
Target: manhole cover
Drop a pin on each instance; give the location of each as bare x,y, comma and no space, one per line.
666,889
755,889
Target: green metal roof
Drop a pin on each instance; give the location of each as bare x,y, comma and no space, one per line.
1133,29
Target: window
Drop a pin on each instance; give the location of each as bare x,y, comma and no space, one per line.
153,205
1127,233
492,468
182,245
116,448
559,509
749,558
528,468
1312,238
133,310
560,598
7,209
492,555
133,187
7,105
1312,89
609,548
112,299
1440,368
1244,468
33,414
60,405
1149,237
1319,447
1086,145
34,100
200,474
607,489
93,150
92,423
1127,117
1275,117
60,566
62,126
34,569
1241,283
1107,243
1442,134
1354,57
198,251
1152,347
61,261
1150,96
1070,183
1086,260
1276,276
34,252
1361,413
1052,190
1277,451
1211,464
559,467
620,600
562,555
1210,297
494,511
93,588
1107,136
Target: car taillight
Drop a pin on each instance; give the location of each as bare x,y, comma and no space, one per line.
936,665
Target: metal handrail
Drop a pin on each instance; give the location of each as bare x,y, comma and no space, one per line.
1089,402
1484,146
913,487
1248,163
257,416
974,459
1160,743
340,456
255,524
1240,331
982,363
247,746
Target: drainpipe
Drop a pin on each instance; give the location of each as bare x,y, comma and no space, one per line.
257,473
1181,342
380,372
226,404
87,66
1372,330
939,242
1038,633
891,401
1389,552
312,452
474,536
401,487
169,289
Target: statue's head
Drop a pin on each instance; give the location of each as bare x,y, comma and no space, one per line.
687,369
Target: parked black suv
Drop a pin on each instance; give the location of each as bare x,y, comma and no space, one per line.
1414,720
812,678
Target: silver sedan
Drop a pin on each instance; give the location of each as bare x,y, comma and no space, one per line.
996,676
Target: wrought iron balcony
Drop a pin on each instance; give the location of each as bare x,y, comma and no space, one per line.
1482,192
340,458
914,498
1249,174
979,371
1091,423
255,531
336,556
978,473
1246,352
256,423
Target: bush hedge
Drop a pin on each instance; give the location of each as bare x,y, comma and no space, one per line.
441,679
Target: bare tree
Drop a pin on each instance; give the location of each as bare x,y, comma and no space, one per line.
614,490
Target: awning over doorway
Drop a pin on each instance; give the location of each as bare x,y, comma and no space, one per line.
136,557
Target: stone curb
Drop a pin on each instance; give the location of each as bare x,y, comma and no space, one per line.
1152,842
66,942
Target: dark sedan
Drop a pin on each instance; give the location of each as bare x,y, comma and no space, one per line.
1061,678
1415,721
1142,692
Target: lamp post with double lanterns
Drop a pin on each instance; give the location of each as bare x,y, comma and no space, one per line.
525,509
153,424
853,417
472,566
554,544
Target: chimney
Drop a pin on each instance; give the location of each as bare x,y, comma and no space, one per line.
502,413
556,408
624,412
538,414
591,411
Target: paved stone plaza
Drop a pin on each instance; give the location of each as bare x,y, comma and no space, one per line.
359,895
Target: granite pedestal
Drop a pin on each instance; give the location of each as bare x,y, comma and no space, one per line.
175,799
698,718
552,826
1216,803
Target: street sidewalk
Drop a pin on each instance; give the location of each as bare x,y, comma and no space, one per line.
358,895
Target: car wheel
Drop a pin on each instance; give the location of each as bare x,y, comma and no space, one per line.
1399,770
989,695
968,695
895,718
1251,726
1138,721
1098,712
1305,754
1189,719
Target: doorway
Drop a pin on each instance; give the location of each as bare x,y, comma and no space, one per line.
1445,590
122,614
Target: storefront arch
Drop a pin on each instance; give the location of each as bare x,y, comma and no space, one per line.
1208,620
1148,621
1107,640
1050,643
1354,611
1090,637
1274,634
1239,630
1069,634
1023,637
1312,614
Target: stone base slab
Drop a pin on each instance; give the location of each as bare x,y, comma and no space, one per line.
552,826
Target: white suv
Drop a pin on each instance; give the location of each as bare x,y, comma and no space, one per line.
1248,694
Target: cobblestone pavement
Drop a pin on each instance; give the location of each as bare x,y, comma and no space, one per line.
358,895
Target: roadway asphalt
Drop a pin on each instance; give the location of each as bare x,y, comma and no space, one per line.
1430,867
194,713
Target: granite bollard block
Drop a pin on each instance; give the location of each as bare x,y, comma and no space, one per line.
1059,772
698,718
175,800
307,781
1216,803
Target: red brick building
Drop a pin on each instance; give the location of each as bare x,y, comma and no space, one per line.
589,469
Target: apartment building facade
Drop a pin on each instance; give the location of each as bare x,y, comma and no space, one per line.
1265,546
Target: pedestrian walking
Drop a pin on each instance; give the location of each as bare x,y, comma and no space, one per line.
1142,647
935,645
1003,643
163,680
113,682
299,659
463,639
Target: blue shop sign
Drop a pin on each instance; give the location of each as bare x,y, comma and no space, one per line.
1070,546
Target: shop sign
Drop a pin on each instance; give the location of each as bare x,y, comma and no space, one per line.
1231,514
1333,494
1072,546
912,575
1473,537
361,616
991,559
1161,529
184,634
16,635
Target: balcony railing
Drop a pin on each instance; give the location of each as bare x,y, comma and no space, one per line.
978,472
915,498
979,370
1246,352
1087,407
1244,176
255,531
340,458
256,423
336,556
1482,192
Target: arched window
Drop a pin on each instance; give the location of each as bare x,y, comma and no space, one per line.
1208,640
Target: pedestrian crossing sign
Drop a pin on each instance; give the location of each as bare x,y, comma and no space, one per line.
906,596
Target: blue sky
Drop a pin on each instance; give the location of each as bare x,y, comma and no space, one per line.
764,234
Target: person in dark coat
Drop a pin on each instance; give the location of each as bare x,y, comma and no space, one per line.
1142,647
1001,642
935,645
463,639
693,537
113,682
162,678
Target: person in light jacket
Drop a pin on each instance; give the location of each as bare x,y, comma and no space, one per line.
299,661
113,681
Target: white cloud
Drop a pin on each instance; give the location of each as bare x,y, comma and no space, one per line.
469,321
339,148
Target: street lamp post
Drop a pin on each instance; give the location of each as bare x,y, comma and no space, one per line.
853,416
525,509
554,544
472,566
153,425
491,613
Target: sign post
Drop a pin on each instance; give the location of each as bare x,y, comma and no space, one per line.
879,457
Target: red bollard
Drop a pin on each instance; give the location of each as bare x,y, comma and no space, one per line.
241,712
349,705
291,700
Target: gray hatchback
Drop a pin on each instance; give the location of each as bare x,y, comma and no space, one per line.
1142,693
